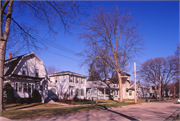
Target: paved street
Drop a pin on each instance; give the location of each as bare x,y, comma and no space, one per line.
146,111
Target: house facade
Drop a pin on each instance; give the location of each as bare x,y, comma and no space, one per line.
97,90
67,84
142,91
108,89
26,73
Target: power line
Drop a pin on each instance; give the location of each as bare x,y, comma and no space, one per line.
55,45
54,53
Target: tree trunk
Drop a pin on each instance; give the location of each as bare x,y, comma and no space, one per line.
155,89
120,87
4,38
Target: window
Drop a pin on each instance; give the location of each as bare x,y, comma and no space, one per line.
77,79
32,87
24,71
107,91
41,87
20,87
130,93
25,87
71,88
37,72
82,81
55,79
77,92
16,87
29,87
82,92
37,85
70,78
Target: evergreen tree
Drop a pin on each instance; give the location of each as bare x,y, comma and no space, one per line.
8,93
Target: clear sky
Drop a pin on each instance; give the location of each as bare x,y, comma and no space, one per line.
158,24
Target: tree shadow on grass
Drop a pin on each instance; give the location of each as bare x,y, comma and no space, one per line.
123,115
29,106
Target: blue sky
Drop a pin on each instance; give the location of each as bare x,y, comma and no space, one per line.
158,24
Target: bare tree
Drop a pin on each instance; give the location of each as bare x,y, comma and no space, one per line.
111,39
52,69
159,70
42,13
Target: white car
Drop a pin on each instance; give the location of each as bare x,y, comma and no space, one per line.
179,100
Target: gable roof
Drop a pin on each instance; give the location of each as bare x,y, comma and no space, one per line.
66,73
12,63
138,85
96,84
125,74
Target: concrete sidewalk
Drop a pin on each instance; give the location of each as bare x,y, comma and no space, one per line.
4,119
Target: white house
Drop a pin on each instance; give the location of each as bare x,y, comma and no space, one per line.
142,91
97,90
26,73
67,84
108,90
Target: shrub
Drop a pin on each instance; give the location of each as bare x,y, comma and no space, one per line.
8,93
75,98
36,96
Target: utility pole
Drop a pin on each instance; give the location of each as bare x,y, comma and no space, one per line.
160,88
135,81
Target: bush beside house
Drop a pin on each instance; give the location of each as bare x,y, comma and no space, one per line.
36,96
8,94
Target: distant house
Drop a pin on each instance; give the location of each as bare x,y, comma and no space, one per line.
26,73
67,84
142,91
97,90
164,94
108,89
125,85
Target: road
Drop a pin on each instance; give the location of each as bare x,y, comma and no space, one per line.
145,111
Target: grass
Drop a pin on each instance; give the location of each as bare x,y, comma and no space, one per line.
24,114
16,106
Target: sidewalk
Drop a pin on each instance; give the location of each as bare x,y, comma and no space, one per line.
4,119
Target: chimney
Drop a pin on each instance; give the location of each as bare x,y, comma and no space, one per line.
10,55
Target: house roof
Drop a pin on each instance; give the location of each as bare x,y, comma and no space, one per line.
138,85
124,79
12,63
26,77
125,74
66,73
96,84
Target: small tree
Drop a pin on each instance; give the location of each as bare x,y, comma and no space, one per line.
8,93
36,96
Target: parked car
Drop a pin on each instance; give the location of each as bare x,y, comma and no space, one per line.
179,100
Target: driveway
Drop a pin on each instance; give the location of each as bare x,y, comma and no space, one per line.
145,111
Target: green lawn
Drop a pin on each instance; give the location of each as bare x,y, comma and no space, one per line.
15,106
24,114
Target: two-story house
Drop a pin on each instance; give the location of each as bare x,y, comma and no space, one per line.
26,73
109,89
67,84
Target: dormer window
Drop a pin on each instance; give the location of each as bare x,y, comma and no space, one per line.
55,79
37,72
24,71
